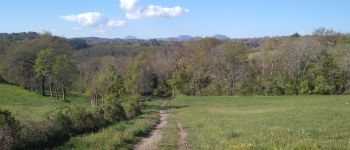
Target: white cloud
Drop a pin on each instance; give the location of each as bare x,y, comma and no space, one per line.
127,4
94,19
156,11
133,12
113,23
86,19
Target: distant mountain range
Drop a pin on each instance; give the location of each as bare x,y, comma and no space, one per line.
253,42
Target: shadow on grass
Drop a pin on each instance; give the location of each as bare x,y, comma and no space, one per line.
177,107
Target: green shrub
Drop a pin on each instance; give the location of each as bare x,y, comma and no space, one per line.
112,110
81,120
9,130
133,108
36,134
162,90
61,124
58,128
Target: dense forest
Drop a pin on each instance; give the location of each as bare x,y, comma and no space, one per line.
289,65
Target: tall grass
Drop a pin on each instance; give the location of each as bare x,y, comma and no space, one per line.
122,135
293,122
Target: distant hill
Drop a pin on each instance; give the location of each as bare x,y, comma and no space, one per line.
252,42
130,37
95,40
184,38
221,37
19,36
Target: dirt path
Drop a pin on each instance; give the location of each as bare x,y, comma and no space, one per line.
152,142
183,145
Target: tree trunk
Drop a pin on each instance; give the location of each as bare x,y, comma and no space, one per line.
94,98
194,87
231,85
63,92
56,90
51,86
43,86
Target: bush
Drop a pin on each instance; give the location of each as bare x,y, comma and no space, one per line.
9,130
62,124
112,110
81,120
133,108
38,134
162,90
58,128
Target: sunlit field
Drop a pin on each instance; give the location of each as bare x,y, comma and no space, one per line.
290,122
28,106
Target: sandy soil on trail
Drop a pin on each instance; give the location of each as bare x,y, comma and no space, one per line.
183,145
152,142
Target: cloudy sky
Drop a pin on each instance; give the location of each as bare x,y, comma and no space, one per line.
168,18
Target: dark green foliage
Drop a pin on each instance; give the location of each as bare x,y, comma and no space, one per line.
19,36
9,130
133,108
325,75
291,65
78,44
252,86
178,81
66,122
111,83
112,109
162,90
141,77
65,72
275,89
295,35
344,40
2,80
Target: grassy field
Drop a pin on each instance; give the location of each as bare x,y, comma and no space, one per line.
121,135
26,105
291,122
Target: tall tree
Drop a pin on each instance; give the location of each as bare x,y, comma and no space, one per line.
44,70
141,79
65,73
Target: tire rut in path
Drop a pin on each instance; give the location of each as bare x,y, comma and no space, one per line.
182,145
152,141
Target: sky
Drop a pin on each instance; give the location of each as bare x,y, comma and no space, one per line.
171,18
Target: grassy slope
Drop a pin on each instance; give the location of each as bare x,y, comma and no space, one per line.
296,122
121,135
26,105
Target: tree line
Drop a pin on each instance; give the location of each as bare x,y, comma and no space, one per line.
289,65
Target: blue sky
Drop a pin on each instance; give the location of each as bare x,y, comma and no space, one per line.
168,18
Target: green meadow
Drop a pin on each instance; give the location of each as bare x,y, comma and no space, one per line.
212,122
289,122
29,106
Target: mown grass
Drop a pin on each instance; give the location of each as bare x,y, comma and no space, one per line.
122,135
291,122
26,106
